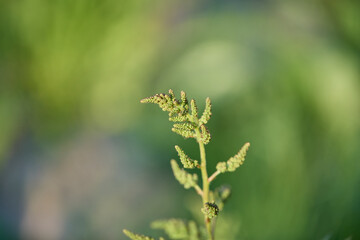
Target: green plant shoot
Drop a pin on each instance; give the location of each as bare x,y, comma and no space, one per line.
188,124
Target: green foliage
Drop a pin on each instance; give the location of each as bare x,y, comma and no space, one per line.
204,135
234,162
185,160
135,236
184,129
188,125
178,229
207,112
184,178
168,102
194,109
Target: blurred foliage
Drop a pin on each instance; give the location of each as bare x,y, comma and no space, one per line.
283,75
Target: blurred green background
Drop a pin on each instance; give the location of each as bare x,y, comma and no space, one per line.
81,158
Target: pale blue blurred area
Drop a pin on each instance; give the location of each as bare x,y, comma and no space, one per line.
81,158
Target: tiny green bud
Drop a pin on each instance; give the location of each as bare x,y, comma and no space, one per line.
171,93
183,97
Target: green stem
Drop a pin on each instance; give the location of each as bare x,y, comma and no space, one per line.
213,176
204,174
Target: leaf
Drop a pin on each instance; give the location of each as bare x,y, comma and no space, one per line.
194,109
205,135
207,112
168,102
193,231
177,228
234,162
178,118
184,132
185,160
184,126
184,178
135,236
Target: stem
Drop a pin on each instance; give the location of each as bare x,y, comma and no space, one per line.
204,174
198,190
213,176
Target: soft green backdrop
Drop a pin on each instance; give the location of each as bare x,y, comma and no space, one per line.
81,158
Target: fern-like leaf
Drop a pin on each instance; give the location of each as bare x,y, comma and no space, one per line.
178,229
168,102
184,132
194,109
207,113
234,162
186,160
184,178
205,134
135,236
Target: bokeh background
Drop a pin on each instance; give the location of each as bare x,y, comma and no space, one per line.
81,158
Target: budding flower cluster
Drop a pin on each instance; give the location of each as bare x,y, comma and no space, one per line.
210,210
207,112
168,102
135,236
186,160
187,123
234,162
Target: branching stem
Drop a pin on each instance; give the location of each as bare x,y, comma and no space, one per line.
205,190
188,125
213,176
198,190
